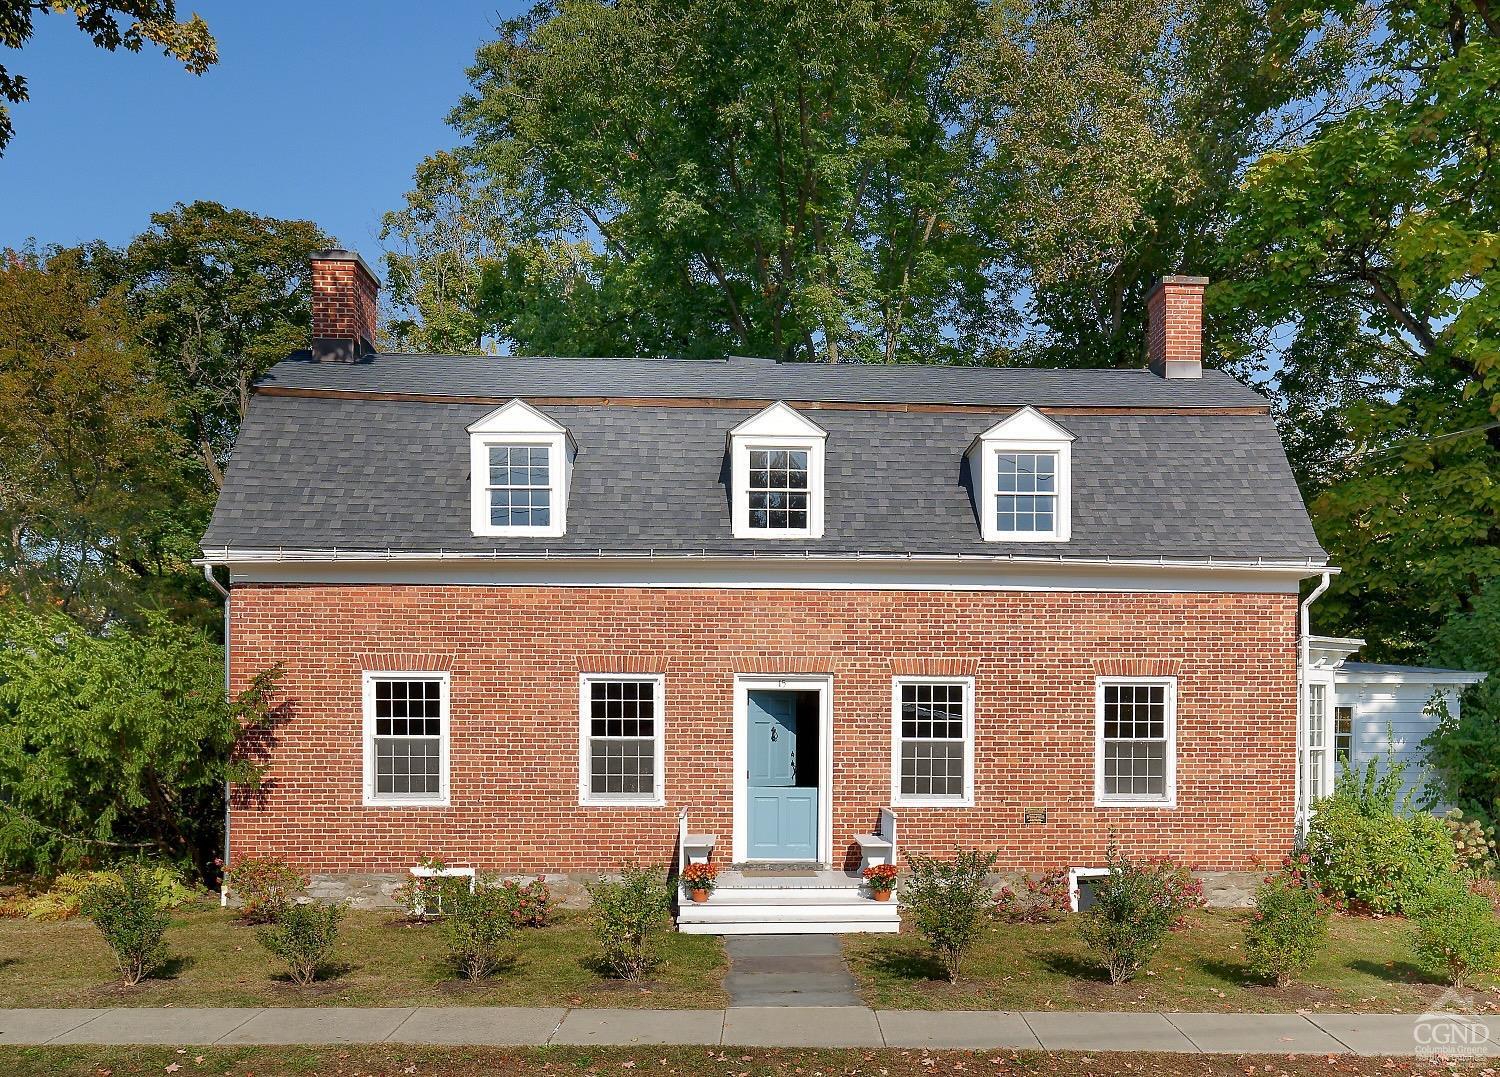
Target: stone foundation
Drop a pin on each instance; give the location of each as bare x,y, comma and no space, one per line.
375,890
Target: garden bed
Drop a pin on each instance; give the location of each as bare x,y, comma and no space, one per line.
382,961
1365,967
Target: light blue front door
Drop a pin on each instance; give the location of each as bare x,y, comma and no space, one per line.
782,816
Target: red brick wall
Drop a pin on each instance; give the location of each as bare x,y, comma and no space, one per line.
515,655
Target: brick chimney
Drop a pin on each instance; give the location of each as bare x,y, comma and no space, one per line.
1174,327
345,300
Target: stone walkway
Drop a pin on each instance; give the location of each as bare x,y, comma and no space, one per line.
788,970
770,1026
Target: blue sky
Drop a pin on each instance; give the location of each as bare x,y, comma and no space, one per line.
318,109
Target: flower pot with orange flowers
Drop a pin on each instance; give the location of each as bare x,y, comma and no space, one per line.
881,879
698,880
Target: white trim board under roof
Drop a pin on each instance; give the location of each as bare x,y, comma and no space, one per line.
1022,474
776,469
519,465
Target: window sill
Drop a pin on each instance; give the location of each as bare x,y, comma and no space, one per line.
932,802
433,802
1132,804
595,802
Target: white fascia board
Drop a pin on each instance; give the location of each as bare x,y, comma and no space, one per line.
783,573
1426,676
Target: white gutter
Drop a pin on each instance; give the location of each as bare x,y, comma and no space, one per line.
1304,660
225,555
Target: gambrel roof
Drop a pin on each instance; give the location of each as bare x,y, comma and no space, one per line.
375,456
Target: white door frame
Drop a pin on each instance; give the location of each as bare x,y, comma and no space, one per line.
744,684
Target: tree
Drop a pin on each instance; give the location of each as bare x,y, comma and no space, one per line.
221,295
110,24
1464,751
92,494
119,743
1368,258
871,180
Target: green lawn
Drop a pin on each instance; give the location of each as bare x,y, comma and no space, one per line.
1365,967
381,962
381,1061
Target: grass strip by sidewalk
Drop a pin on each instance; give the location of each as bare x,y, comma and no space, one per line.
676,1062
382,961
1365,968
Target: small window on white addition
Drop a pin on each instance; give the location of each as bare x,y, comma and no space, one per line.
620,740
1343,734
1136,742
406,739
933,742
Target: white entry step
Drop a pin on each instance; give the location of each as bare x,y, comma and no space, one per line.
798,903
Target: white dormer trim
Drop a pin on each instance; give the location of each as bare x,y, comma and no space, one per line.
776,427
1025,431
518,423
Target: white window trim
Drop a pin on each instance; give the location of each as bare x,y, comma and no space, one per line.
1027,431
373,799
518,423
777,427
1170,800
1076,875
898,800
586,797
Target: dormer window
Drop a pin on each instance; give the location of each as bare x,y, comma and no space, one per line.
1021,469
776,461
519,465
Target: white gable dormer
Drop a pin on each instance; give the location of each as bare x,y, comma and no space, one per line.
1022,471
776,474
520,462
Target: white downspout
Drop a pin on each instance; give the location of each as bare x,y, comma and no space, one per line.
208,574
1304,661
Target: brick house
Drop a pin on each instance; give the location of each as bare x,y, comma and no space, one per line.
545,616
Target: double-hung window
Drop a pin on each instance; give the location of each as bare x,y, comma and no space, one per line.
520,485
933,742
1136,741
520,463
1021,470
1026,492
406,738
620,741
1343,734
778,489
776,465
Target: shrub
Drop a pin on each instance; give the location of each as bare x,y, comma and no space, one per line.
1134,908
304,936
1369,850
63,900
1037,901
128,909
476,926
629,913
1289,925
265,886
530,903
1456,930
1473,845
949,902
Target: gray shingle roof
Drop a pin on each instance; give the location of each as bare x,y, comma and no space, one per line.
759,379
369,474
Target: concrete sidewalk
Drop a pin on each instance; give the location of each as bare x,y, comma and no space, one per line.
1455,1035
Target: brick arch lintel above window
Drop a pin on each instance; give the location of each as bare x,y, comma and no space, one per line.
794,665
934,667
622,663
405,661
1137,667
